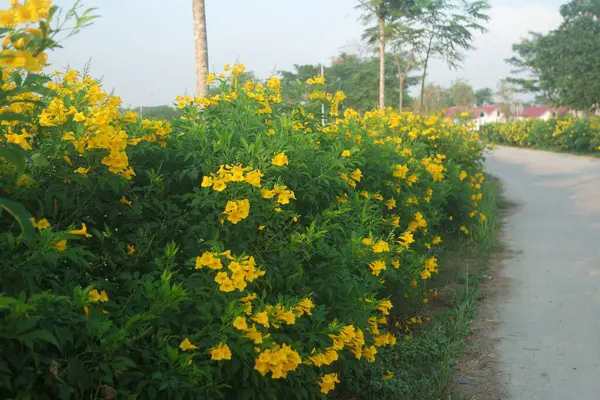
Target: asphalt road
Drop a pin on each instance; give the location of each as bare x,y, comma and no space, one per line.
549,336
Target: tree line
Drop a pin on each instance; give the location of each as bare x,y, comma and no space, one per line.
562,68
408,35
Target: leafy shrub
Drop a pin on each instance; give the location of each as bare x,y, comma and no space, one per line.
569,134
250,250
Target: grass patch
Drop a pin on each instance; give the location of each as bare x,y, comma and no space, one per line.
423,366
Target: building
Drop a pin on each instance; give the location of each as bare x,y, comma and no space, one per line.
481,115
543,112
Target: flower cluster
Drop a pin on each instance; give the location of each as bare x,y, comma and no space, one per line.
278,361
241,270
232,173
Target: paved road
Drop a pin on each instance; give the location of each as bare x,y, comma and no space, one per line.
549,343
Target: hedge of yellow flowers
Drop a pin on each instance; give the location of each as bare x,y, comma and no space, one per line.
566,134
247,250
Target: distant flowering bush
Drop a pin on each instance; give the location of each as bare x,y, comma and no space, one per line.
568,134
248,251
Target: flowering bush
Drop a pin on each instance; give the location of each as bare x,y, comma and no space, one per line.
251,250
569,134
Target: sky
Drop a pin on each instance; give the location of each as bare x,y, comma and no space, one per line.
144,49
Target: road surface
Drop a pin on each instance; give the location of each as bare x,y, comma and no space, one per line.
549,335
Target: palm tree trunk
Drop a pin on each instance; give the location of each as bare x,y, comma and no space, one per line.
401,88
425,65
381,62
201,46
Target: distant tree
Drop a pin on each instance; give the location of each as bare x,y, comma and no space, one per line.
384,12
448,28
201,46
462,95
294,88
563,66
484,97
507,100
434,99
354,75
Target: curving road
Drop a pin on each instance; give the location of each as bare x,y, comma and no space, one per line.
549,336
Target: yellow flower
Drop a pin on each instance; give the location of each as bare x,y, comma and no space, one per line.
20,140
210,78
43,224
280,160
82,171
261,318
462,175
261,227
253,178
221,352
391,204
381,246
130,249
385,306
396,264
81,232
240,323
219,185
124,201
227,67
346,153
79,117
406,239
378,196
356,175
186,345
400,171
94,296
210,260
377,267
207,181
237,210
61,245
327,382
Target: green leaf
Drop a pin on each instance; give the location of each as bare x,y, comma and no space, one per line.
39,160
29,337
20,214
14,154
12,116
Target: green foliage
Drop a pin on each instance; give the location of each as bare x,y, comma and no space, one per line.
564,134
561,67
484,96
354,75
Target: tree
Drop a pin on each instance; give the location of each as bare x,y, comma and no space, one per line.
434,99
448,28
462,95
355,76
484,97
508,102
294,88
562,67
201,46
383,11
403,39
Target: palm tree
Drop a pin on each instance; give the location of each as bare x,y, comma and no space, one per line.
201,46
383,11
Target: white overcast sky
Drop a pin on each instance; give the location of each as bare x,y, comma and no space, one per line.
144,49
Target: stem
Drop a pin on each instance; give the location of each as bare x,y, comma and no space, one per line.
426,63
381,61
401,77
